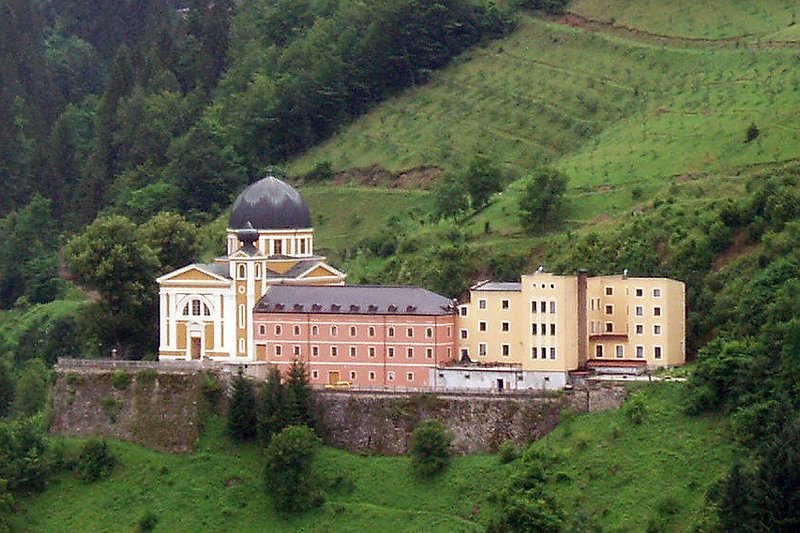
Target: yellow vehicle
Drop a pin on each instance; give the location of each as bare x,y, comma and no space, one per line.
338,385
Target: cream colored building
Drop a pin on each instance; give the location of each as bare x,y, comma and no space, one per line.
541,328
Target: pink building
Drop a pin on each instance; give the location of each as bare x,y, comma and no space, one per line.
368,336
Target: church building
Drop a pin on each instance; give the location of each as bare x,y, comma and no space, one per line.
206,309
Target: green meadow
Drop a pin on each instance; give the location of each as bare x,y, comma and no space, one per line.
621,476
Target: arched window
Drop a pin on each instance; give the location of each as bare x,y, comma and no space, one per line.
371,331
334,331
391,331
242,271
353,331
314,330
297,330
429,332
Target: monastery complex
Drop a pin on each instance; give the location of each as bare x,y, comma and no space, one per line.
272,300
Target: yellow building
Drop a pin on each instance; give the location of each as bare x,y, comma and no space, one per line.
541,328
206,309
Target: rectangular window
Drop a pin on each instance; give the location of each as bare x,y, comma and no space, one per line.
640,329
481,304
543,306
552,329
390,375
609,291
639,292
372,351
552,307
592,326
296,350
297,330
482,349
639,310
429,333
543,351
429,353
598,351
552,353
463,310
278,330
315,374
505,326
657,311
278,350
352,351
533,352
371,331
410,353
262,329
315,351
353,331
656,329
334,351
242,317
657,352
533,329
463,334
372,376
352,375
409,332
656,293
639,352
591,303
505,304
391,332
505,350
609,309
534,307
482,326
619,351
390,351
609,327
409,376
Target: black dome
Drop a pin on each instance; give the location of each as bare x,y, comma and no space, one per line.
270,204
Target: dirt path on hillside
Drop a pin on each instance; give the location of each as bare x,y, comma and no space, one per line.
574,20
69,277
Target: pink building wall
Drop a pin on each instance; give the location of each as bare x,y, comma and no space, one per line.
378,357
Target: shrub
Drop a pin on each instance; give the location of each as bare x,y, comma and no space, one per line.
430,452
508,452
95,461
752,133
288,473
635,410
148,521
111,407
120,379
210,389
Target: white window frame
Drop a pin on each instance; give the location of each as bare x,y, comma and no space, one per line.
619,351
657,329
482,349
658,352
505,350
640,351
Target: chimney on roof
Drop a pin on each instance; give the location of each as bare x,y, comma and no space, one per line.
625,273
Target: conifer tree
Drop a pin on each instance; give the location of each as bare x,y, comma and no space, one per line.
270,407
299,393
242,409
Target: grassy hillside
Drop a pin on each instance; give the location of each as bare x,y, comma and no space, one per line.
615,113
716,19
622,476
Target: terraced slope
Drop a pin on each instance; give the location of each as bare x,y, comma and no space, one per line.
614,111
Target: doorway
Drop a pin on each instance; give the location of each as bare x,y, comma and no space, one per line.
500,384
197,347
333,377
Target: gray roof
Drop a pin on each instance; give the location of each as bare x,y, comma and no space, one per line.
270,204
354,299
498,286
220,269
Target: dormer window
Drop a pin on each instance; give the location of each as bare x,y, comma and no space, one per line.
316,307
354,308
411,308
335,307
392,308
373,308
